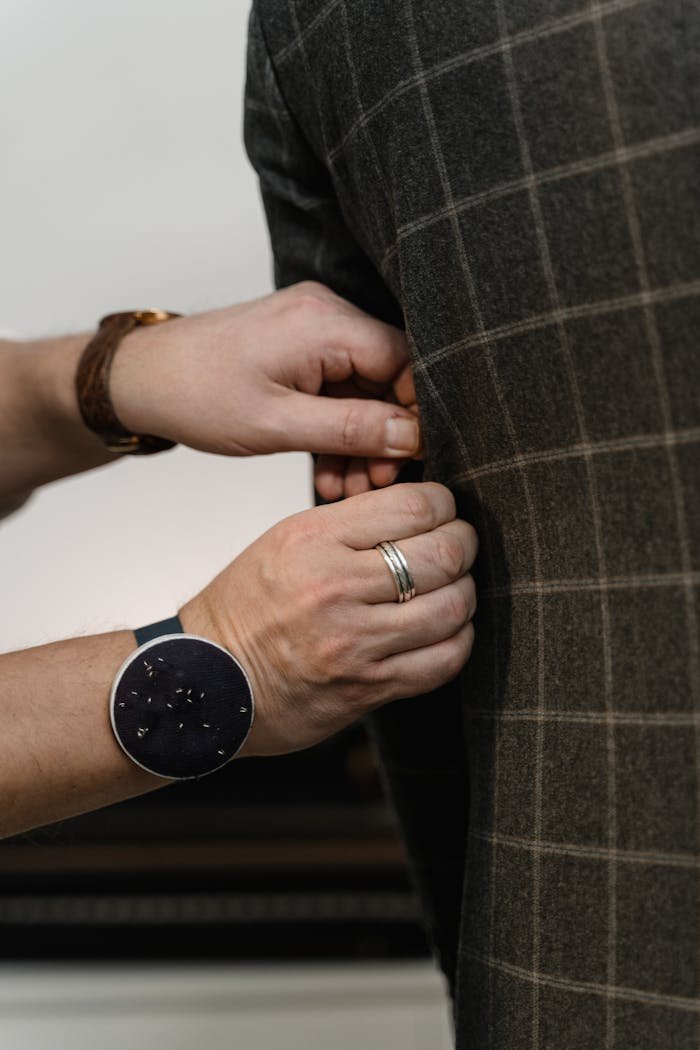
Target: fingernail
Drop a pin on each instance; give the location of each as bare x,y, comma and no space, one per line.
402,436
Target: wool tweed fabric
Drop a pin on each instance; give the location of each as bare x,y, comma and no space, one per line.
518,183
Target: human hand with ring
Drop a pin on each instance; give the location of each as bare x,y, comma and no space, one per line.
327,627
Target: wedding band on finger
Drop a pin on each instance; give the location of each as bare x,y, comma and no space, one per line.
398,566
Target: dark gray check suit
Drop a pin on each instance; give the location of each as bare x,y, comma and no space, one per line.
518,181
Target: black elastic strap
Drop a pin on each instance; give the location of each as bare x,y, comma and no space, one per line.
154,630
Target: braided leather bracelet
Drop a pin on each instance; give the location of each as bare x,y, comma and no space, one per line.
92,384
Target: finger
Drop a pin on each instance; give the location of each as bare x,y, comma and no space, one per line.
422,670
330,472
404,388
346,427
376,351
383,472
434,559
392,513
356,478
423,621
329,476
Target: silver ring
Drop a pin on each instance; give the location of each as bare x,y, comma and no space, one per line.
398,566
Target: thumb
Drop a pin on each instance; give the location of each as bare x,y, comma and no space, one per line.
348,426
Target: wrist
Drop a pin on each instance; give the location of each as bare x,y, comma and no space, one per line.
198,617
131,382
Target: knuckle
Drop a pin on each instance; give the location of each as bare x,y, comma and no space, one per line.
311,288
449,555
445,496
311,297
457,607
351,429
454,606
418,509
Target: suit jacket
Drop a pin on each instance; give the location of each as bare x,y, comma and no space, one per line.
518,183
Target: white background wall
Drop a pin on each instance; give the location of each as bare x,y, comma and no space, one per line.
124,183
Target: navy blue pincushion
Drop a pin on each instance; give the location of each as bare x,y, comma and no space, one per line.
181,707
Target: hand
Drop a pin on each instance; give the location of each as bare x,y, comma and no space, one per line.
245,380
310,612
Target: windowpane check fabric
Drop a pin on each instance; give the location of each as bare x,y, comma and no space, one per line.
518,181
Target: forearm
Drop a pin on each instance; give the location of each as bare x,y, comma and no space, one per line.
58,755
42,436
